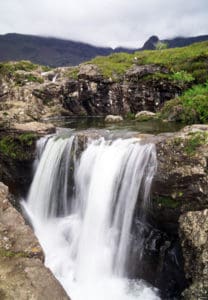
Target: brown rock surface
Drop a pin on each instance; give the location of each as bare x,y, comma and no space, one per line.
194,236
22,273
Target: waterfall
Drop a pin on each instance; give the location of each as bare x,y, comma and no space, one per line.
81,205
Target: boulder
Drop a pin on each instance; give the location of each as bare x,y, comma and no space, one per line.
113,119
181,179
89,71
23,275
143,70
193,227
144,115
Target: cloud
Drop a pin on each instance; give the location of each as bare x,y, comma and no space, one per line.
109,23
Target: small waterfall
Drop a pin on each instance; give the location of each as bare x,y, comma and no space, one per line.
82,206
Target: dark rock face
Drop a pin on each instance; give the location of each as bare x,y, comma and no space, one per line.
91,94
150,43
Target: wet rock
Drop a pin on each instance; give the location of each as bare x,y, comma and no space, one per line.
144,116
194,238
34,127
181,179
113,119
23,275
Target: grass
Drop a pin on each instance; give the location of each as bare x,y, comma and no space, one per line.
191,107
192,60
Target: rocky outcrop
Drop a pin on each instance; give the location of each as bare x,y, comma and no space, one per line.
26,96
194,236
182,168
17,153
23,275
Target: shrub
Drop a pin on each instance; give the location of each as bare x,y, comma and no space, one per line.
189,108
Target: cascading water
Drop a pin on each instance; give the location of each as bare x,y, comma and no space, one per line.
82,205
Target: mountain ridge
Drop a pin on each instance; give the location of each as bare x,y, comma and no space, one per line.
57,52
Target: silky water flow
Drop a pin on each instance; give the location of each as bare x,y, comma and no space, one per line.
81,205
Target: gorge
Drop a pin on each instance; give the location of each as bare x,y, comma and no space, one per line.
119,209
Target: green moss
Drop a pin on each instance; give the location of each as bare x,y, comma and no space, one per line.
16,147
167,202
9,68
22,79
72,73
27,138
130,116
195,140
10,253
192,142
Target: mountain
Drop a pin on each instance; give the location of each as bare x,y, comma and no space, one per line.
56,52
150,44
47,51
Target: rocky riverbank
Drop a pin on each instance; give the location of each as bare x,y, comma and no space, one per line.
179,196
28,93
23,275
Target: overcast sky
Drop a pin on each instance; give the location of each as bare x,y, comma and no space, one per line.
108,23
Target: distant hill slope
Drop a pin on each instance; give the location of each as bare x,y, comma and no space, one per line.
58,52
47,51
173,43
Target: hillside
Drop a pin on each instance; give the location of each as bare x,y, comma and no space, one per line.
56,52
172,82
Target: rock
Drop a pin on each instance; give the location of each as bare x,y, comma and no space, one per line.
181,179
35,127
113,119
194,239
143,70
144,116
23,275
89,71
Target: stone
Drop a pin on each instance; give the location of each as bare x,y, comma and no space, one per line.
193,228
23,275
143,70
113,119
34,127
89,71
144,115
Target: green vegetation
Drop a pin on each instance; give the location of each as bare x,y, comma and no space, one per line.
192,142
189,108
193,60
195,140
10,67
182,76
130,116
168,202
10,253
16,147
115,65
161,45
72,73
22,79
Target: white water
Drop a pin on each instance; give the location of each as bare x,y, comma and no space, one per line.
87,243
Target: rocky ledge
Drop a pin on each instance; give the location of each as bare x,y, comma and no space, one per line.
194,237
22,273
